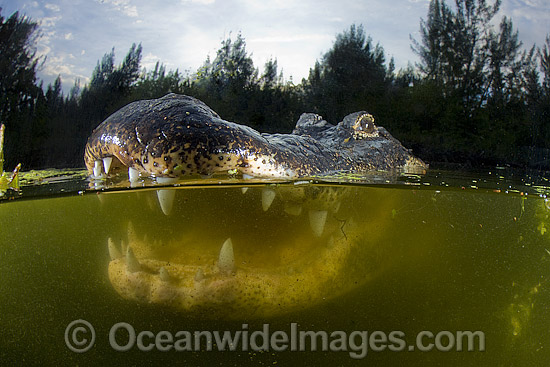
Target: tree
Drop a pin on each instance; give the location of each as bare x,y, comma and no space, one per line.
227,83
351,76
18,90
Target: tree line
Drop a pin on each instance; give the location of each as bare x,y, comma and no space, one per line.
475,97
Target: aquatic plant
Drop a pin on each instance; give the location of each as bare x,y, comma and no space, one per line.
7,180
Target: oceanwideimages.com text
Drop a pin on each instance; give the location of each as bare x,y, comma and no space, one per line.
123,337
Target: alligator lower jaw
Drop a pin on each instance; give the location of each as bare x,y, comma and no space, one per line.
209,288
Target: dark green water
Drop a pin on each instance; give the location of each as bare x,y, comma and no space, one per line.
453,258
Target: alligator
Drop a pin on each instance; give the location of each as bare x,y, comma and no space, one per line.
178,136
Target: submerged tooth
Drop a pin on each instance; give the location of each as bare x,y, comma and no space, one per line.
244,190
226,260
166,200
166,197
107,164
98,166
317,220
163,274
293,209
199,275
268,195
133,174
114,251
132,263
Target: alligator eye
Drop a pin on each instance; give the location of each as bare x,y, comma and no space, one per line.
365,123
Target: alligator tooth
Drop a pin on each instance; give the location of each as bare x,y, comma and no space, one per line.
133,174
123,247
166,197
114,252
226,260
317,220
247,177
166,200
199,275
244,190
163,274
293,209
107,164
98,166
132,263
267,198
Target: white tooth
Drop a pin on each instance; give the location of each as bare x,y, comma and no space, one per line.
107,164
267,198
166,180
114,252
317,220
132,263
133,174
199,275
166,197
226,260
98,167
166,200
247,177
163,274
293,209
244,190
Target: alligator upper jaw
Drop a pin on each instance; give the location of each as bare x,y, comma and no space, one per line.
230,280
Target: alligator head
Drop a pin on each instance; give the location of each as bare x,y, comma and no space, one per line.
203,271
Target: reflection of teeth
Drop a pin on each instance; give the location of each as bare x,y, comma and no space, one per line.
132,263
166,197
123,247
226,260
98,167
163,274
267,198
114,252
107,164
199,275
133,174
336,207
244,190
317,220
293,209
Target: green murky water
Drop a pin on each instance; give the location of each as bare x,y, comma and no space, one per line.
440,254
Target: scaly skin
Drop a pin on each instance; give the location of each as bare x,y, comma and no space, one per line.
178,135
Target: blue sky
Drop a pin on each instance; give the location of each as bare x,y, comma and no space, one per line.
75,34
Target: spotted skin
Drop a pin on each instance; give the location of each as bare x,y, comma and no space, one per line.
178,135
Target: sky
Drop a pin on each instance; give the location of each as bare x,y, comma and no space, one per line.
75,34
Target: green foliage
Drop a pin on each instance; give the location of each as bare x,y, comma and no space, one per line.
19,92
351,76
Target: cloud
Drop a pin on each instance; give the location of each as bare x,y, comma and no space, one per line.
201,2
123,6
52,7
